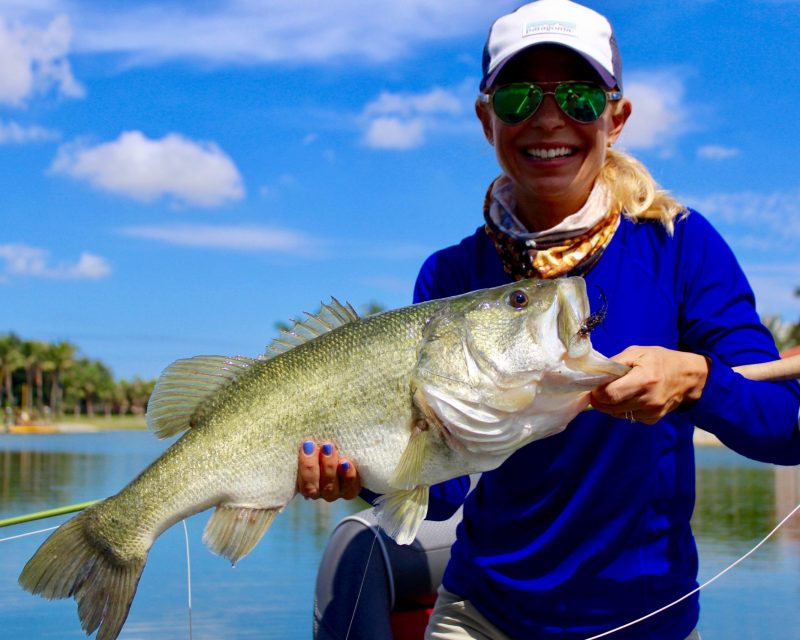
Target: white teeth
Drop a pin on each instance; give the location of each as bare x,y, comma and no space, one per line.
547,154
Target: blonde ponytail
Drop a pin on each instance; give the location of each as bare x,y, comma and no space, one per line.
635,192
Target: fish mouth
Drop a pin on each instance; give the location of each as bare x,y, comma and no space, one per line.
602,370
575,324
572,318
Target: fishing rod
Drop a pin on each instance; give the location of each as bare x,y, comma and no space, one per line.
774,371
49,513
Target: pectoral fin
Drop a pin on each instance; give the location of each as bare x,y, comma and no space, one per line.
233,531
400,513
409,469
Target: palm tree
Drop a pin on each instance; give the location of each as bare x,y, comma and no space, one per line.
139,392
103,393
60,355
45,365
33,354
793,338
11,359
88,382
123,396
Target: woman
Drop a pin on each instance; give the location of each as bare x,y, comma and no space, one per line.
584,531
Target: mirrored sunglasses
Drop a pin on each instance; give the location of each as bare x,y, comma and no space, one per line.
582,101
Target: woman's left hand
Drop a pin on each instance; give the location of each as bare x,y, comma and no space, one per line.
659,381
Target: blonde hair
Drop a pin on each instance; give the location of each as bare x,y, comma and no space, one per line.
635,192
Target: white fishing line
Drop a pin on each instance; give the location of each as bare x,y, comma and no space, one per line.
372,547
188,576
30,533
702,586
188,562
363,579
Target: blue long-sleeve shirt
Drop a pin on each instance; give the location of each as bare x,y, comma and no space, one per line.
586,530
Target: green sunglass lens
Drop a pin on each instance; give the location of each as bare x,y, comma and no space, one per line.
513,103
582,102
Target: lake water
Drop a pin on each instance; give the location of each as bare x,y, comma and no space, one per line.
269,594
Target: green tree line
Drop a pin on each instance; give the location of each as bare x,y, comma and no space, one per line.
786,334
48,379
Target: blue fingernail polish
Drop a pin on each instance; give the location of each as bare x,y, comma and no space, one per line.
345,465
308,447
327,449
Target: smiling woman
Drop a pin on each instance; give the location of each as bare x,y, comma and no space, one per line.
580,533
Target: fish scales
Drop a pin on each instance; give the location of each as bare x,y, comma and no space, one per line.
413,396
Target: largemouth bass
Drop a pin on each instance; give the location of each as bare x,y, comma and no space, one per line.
413,396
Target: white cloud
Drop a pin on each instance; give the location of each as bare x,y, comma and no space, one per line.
771,217
403,120
395,133
774,286
24,260
717,152
193,173
12,132
256,32
435,101
238,238
659,115
763,230
34,60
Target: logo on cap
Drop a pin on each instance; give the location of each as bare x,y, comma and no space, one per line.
549,27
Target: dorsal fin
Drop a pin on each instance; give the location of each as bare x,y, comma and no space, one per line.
330,317
184,387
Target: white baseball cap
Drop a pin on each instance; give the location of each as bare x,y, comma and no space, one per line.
559,22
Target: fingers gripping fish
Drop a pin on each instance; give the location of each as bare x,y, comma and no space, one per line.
414,396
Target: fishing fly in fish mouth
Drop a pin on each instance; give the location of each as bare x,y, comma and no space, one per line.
580,521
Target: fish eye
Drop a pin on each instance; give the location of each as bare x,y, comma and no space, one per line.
518,299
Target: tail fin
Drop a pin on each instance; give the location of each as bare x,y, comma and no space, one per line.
73,562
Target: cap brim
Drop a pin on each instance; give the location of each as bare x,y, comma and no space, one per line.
609,80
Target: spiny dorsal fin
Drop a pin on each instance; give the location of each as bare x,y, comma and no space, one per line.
184,387
330,317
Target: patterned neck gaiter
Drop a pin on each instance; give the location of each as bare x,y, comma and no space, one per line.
572,247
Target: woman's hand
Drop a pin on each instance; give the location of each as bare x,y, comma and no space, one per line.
659,381
321,473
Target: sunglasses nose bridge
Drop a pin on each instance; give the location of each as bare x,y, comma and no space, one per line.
549,111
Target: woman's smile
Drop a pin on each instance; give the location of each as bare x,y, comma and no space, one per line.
550,152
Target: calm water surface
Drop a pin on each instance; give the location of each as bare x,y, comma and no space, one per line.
269,594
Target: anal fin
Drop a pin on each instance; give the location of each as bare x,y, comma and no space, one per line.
233,531
400,513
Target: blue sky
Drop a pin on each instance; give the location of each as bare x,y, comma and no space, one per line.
177,177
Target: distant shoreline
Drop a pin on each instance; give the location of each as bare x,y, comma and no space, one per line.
80,424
